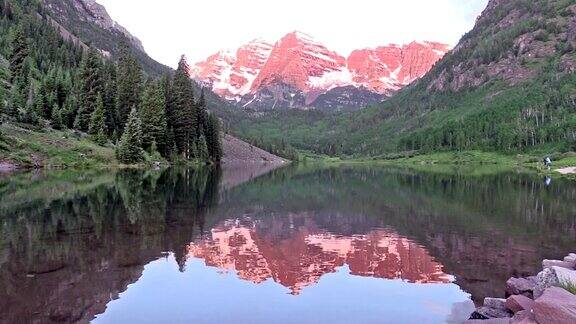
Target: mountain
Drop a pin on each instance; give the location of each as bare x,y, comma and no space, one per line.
509,85
89,22
299,72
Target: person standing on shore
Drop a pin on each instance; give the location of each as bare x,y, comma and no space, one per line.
548,162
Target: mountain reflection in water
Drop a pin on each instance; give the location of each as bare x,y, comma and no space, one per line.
362,244
300,259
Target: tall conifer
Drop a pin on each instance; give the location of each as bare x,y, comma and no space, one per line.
153,116
129,149
129,85
90,89
184,112
98,123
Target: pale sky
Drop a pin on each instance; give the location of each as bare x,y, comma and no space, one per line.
169,28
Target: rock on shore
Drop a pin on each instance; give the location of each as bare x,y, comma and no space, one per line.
541,299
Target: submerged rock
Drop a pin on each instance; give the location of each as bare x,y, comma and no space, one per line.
556,305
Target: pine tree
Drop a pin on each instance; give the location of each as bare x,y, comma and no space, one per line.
129,85
41,103
57,122
69,111
202,113
213,139
184,112
203,154
109,97
129,149
16,101
19,54
153,116
90,89
98,123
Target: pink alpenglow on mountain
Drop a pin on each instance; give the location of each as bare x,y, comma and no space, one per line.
232,74
299,63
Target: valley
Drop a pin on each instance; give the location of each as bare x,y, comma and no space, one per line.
414,163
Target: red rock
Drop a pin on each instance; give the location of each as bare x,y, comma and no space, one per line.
555,306
517,303
521,286
300,62
524,317
231,74
295,59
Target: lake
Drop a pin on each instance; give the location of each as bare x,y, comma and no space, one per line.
302,244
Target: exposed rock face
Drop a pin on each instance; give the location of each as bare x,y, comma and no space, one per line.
555,306
311,71
94,12
390,67
297,60
232,74
521,50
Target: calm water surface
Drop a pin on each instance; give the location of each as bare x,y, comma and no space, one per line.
303,244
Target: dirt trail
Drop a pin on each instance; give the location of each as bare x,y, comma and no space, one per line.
570,170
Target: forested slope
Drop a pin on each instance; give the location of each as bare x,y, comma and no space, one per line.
53,81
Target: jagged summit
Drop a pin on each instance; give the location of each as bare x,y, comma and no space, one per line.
297,70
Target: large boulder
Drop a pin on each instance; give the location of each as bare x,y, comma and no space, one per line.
524,317
518,303
521,286
552,277
557,263
570,258
555,306
496,303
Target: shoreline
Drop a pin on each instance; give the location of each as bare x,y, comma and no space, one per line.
546,298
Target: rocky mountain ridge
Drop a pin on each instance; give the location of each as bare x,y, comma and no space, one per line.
300,72
96,13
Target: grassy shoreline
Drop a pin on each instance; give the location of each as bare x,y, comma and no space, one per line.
28,148
477,162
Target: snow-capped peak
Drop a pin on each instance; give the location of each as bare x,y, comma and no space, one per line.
301,62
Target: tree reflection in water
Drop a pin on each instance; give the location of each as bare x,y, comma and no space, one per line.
73,241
